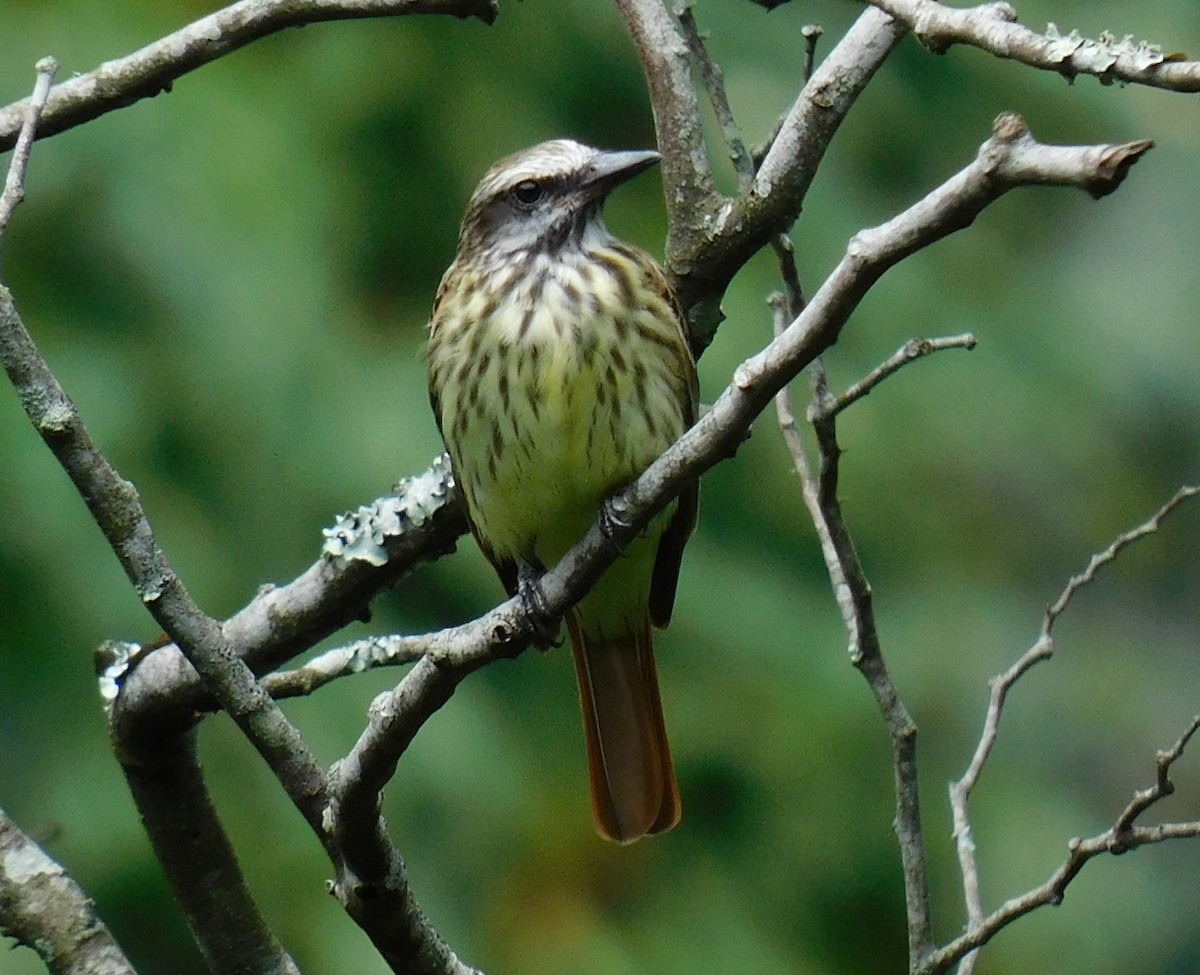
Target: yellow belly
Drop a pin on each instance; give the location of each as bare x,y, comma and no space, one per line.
551,402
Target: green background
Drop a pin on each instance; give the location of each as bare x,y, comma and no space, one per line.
232,281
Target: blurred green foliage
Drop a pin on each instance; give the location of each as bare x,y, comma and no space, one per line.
232,282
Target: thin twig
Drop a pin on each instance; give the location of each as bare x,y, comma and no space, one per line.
793,290
1042,649
811,34
910,351
1143,799
353,658
867,655
153,69
1101,559
714,85
14,182
853,595
1122,837
781,315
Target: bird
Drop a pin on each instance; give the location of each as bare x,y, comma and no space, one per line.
559,368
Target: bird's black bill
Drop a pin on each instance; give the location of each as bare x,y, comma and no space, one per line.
613,168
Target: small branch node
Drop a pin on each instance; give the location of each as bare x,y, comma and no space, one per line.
811,34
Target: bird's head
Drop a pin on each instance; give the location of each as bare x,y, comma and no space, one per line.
545,198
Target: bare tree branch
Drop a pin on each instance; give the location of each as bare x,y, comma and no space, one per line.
992,27
910,351
690,194
228,928
42,907
353,658
792,301
853,595
390,915
1143,799
167,785
1101,559
1043,649
705,253
403,936
153,69
420,522
344,809
854,598
116,507
1120,838
1001,165
714,85
14,182
850,586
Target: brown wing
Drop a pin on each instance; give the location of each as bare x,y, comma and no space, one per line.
670,546
670,555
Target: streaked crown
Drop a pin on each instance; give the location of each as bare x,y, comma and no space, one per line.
544,199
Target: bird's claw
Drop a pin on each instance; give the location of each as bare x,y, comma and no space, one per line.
533,601
612,518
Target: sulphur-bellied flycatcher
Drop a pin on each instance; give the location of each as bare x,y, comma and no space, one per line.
559,368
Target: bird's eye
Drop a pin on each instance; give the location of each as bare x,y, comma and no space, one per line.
528,192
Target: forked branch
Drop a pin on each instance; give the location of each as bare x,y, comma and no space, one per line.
1123,836
1010,158
960,791
852,591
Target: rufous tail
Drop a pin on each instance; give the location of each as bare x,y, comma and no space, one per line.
633,783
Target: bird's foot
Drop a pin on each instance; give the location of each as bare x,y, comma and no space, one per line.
544,626
613,518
